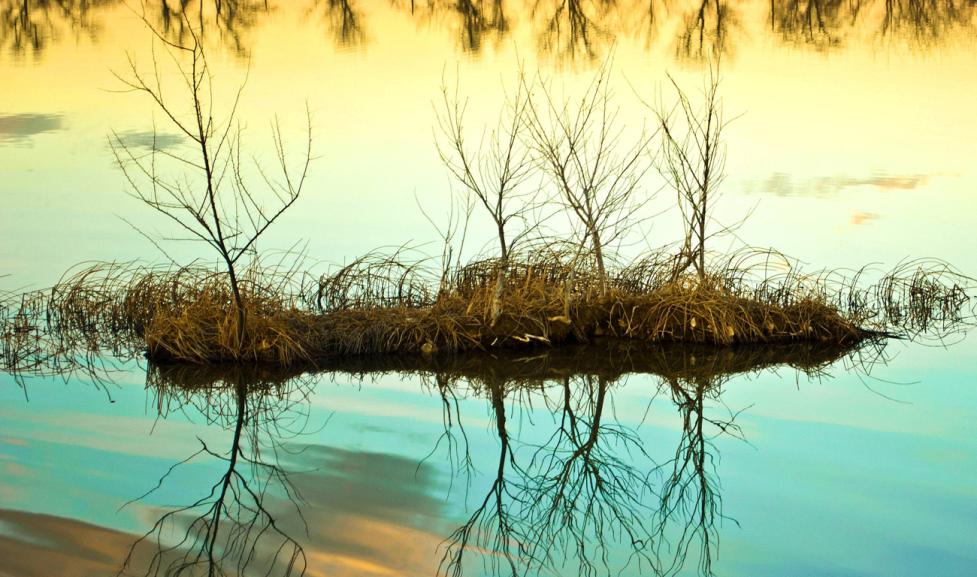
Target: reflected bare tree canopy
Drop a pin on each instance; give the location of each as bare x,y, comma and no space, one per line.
582,488
28,26
231,529
567,31
705,31
591,488
344,19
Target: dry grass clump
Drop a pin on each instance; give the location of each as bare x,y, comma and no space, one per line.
487,304
687,310
207,331
541,305
189,315
920,296
175,314
379,305
373,280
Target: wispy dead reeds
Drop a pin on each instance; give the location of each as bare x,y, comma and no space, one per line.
388,305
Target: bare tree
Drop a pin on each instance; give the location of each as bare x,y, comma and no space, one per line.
496,172
209,196
693,160
595,173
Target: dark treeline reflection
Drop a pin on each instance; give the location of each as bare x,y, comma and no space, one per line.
816,22
28,26
473,22
343,18
232,19
575,490
824,23
564,30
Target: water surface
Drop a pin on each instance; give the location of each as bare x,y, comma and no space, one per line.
853,142
686,470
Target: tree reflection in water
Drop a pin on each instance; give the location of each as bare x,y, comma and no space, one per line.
231,529
590,492
577,490
925,22
232,20
567,31
571,30
578,485
344,21
705,31
690,496
472,22
28,26
819,23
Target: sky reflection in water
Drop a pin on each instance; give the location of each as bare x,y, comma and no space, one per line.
818,477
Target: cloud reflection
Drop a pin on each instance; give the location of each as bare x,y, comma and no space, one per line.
20,127
782,184
150,140
369,514
36,545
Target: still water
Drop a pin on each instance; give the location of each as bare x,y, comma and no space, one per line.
502,468
853,140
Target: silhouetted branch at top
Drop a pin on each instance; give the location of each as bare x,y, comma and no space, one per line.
926,21
208,194
477,20
29,25
816,22
473,20
570,29
231,19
